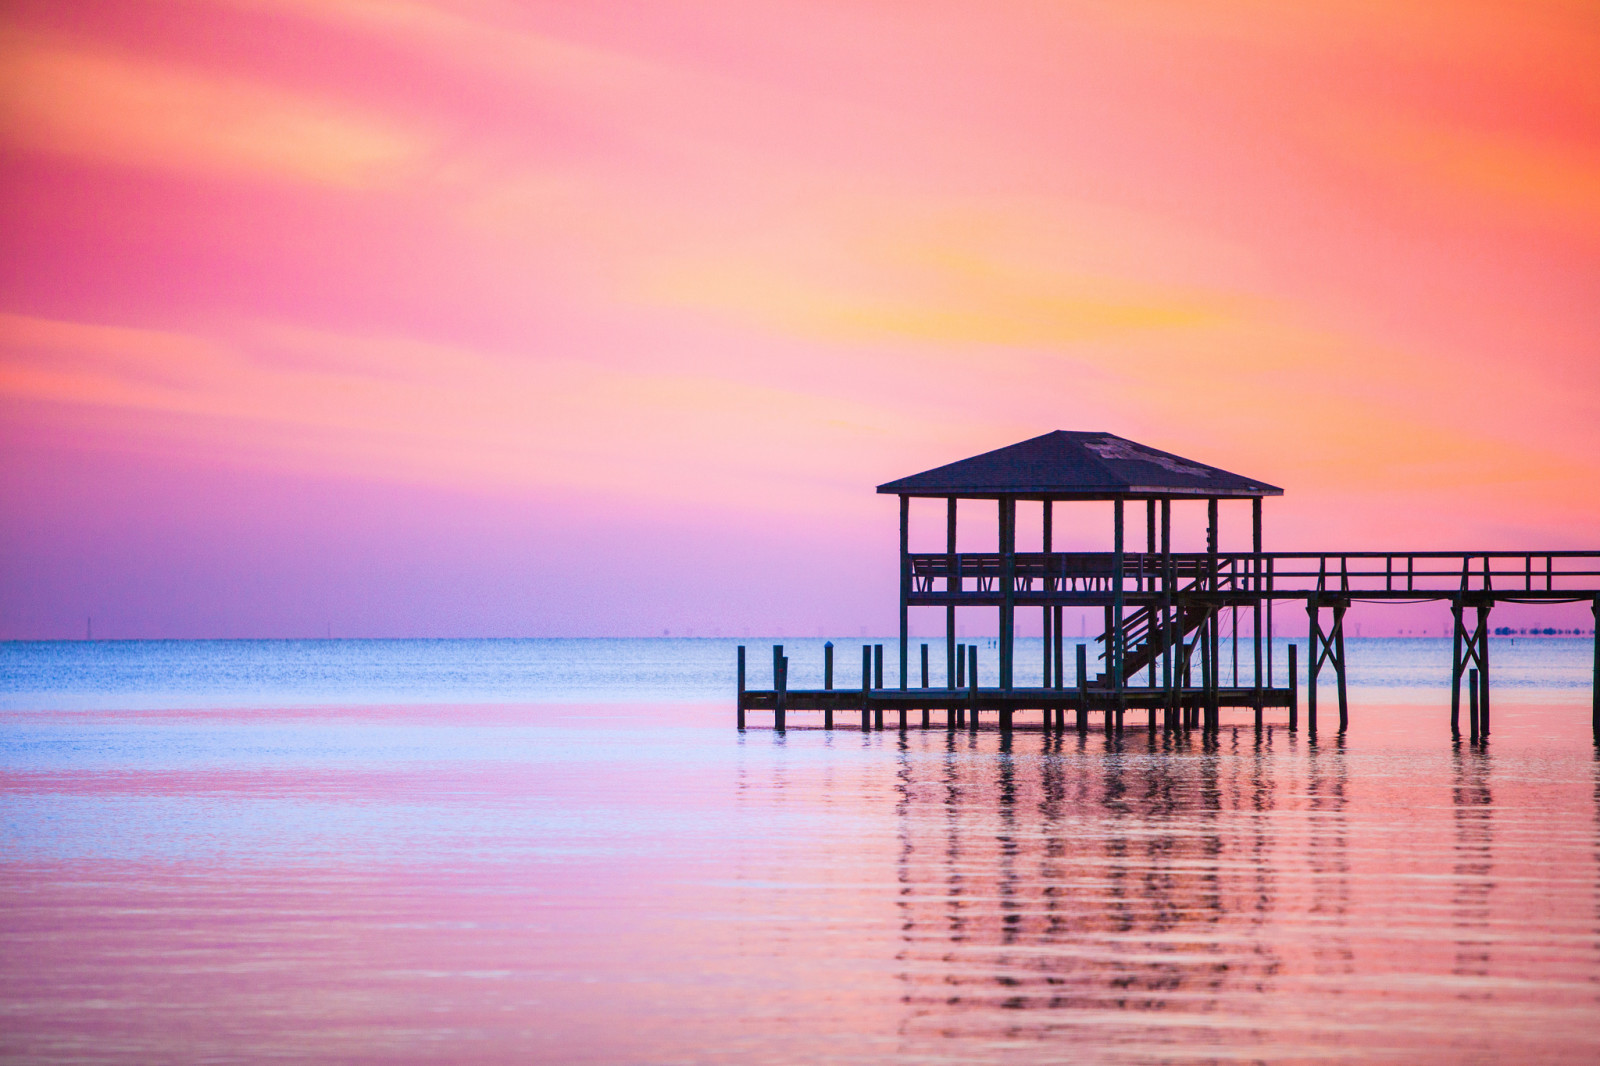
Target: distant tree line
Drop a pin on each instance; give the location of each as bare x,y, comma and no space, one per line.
1535,631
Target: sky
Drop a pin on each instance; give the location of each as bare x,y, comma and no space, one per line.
477,318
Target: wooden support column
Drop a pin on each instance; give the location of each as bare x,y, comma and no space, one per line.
1483,664
740,703
1169,574
905,588
866,687
1114,647
1151,612
1008,598
952,584
1049,586
1594,682
972,685
877,682
1338,666
827,683
1083,688
1314,621
1256,587
925,710
1213,643
780,686
1456,665
1294,689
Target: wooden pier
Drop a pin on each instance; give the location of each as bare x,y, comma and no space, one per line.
1163,611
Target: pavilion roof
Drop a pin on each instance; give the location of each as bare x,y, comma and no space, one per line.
1078,465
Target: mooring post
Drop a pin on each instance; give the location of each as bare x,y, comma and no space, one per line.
958,709
1314,661
1114,648
972,680
827,684
1472,703
780,696
1083,687
1294,687
1456,663
952,583
1338,667
866,687
905,589
1483,661
877,683
924,684
741,688
1594,681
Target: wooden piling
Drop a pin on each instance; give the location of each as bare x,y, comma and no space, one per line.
827,683
741,689
1472,703
925,711
866,687
877,682
1594,680
1083,688
972,681
1483,661
1294,687
780,679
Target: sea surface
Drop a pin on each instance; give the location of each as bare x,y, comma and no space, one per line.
563,851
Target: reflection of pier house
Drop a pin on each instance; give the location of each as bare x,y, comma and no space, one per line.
1161,636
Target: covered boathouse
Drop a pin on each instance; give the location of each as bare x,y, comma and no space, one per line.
1163,612
1161,600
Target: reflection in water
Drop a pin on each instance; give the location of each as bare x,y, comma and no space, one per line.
503,884
1474,863
1221,895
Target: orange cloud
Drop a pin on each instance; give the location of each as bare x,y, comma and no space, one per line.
67,99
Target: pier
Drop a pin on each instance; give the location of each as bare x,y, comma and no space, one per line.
1163,613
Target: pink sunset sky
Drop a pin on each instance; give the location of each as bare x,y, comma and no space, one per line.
479,318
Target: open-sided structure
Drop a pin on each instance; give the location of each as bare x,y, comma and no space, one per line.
1163,610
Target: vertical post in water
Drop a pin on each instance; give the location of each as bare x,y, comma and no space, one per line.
960,683
1255,588
1338,648
780,691
1294,687
741,686
925,711
972,682
1314,617
827,683
1472,704
1114,648
1060,647
1169,575
1049,586
1594,681
1483,661
1083,687
905,588
1213,646
952,585
877,683
1008,589
1456,663
866,687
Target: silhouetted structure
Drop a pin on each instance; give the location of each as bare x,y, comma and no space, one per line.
1162,609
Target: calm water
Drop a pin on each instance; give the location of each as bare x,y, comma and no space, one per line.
561,851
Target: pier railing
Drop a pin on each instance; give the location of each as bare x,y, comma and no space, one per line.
936,577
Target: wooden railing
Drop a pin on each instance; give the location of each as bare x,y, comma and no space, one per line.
1389,574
